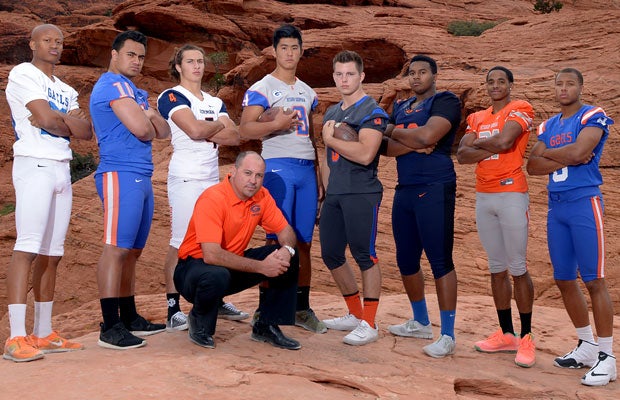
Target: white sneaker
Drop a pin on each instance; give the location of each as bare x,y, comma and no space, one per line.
230,312
584,355
346,323
363,334
178,322
603,372
444,346
412,328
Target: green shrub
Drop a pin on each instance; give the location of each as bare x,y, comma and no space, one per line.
545,6
7,209
81,166
218,59
469,28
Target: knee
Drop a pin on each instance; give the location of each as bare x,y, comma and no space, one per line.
442,270
518,270
409,269
215,283
333,261
595,286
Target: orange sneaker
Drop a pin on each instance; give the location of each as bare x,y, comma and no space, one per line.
526,355
498,342
53,343
19,349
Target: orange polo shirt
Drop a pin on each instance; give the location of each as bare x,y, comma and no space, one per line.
502,172
221,217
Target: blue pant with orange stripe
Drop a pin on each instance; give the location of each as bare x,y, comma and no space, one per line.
127,207
575,234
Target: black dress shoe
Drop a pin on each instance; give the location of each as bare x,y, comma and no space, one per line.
262,332
198,334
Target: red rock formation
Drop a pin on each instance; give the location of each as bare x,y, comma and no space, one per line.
387,33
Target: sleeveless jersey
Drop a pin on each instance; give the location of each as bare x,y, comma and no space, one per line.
272,92
558,132
193,159
422,169
347,177
502,172
25,84
119,149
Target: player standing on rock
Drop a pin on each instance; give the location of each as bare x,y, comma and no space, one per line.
199,123
496,139
420,136
289,149
569,149
350,212
45,114
125,125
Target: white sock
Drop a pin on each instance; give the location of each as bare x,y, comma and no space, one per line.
17,319
585,333
605,345
42,318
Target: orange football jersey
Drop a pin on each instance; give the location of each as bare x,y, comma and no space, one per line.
502,172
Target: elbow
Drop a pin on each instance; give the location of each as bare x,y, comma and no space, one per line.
529,169
209,258
366,161
234,141
504,146
460,157
87,135
580,157
144,133
533,169
194,133
244,132
427,142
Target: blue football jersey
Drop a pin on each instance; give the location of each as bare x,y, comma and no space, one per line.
437,167
119,149
558,132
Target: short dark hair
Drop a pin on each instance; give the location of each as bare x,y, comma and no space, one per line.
347,56
427,59
122,37
571,71
508,73
177,59
244,154
286,31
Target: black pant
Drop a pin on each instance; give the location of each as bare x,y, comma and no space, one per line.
205,285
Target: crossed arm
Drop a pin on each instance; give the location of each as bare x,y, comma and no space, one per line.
421,139
144,124
73,123
544,160
222,131
472,149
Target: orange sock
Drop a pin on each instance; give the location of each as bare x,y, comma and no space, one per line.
354,304
370,310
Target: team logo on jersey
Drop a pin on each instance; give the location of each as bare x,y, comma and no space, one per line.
602,121
255,209
377,121
276,93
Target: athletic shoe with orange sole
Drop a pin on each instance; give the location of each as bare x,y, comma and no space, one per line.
526,354
53,343
19,349
498,342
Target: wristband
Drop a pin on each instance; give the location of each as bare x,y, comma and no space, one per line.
290,250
